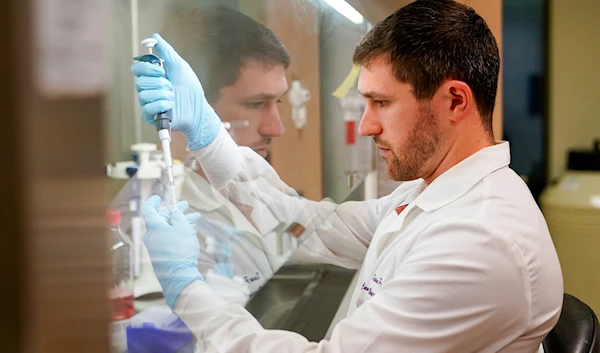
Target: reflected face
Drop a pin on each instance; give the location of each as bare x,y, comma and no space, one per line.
406,131
254,98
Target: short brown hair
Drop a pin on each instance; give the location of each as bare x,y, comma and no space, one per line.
217,40
430,41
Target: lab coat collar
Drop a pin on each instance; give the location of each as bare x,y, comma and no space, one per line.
201,196
459,179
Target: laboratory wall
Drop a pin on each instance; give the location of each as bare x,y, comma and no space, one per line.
573,94
297,155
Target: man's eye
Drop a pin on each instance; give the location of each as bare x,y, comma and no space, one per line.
380,103
279,101
254,105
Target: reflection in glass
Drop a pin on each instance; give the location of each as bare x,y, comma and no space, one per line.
253,225
247,231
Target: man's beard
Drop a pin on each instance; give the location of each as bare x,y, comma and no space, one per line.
422,143
263,147
265,142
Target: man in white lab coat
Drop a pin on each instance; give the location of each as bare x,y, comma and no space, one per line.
457,259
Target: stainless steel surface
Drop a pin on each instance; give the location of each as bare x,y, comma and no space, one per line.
276,300
301,298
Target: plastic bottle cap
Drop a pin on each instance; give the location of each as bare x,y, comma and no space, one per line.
149,42
113,217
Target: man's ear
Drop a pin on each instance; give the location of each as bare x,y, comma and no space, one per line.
458,99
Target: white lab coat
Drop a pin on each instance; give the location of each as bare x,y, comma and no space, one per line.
255,254
262,244
467,266
258,251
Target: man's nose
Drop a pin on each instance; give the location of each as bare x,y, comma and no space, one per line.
271,124
369,124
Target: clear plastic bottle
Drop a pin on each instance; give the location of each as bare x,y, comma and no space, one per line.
121,293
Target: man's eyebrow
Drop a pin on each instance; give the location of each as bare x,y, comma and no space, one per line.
265,96
375,95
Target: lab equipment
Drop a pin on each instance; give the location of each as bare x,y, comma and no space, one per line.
353,105
158,330
362,156
298,98
572,209
180,91
137,226
118,336
145,177
122,274
162,121
173,247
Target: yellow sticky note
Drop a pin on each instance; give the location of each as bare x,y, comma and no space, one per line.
348,83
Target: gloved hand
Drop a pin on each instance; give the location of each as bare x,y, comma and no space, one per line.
180,91
173,247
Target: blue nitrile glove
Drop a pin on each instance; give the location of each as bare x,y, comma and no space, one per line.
180,91
173,247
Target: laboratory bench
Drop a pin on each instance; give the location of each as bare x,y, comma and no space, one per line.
304,298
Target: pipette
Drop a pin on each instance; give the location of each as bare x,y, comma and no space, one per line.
162,122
